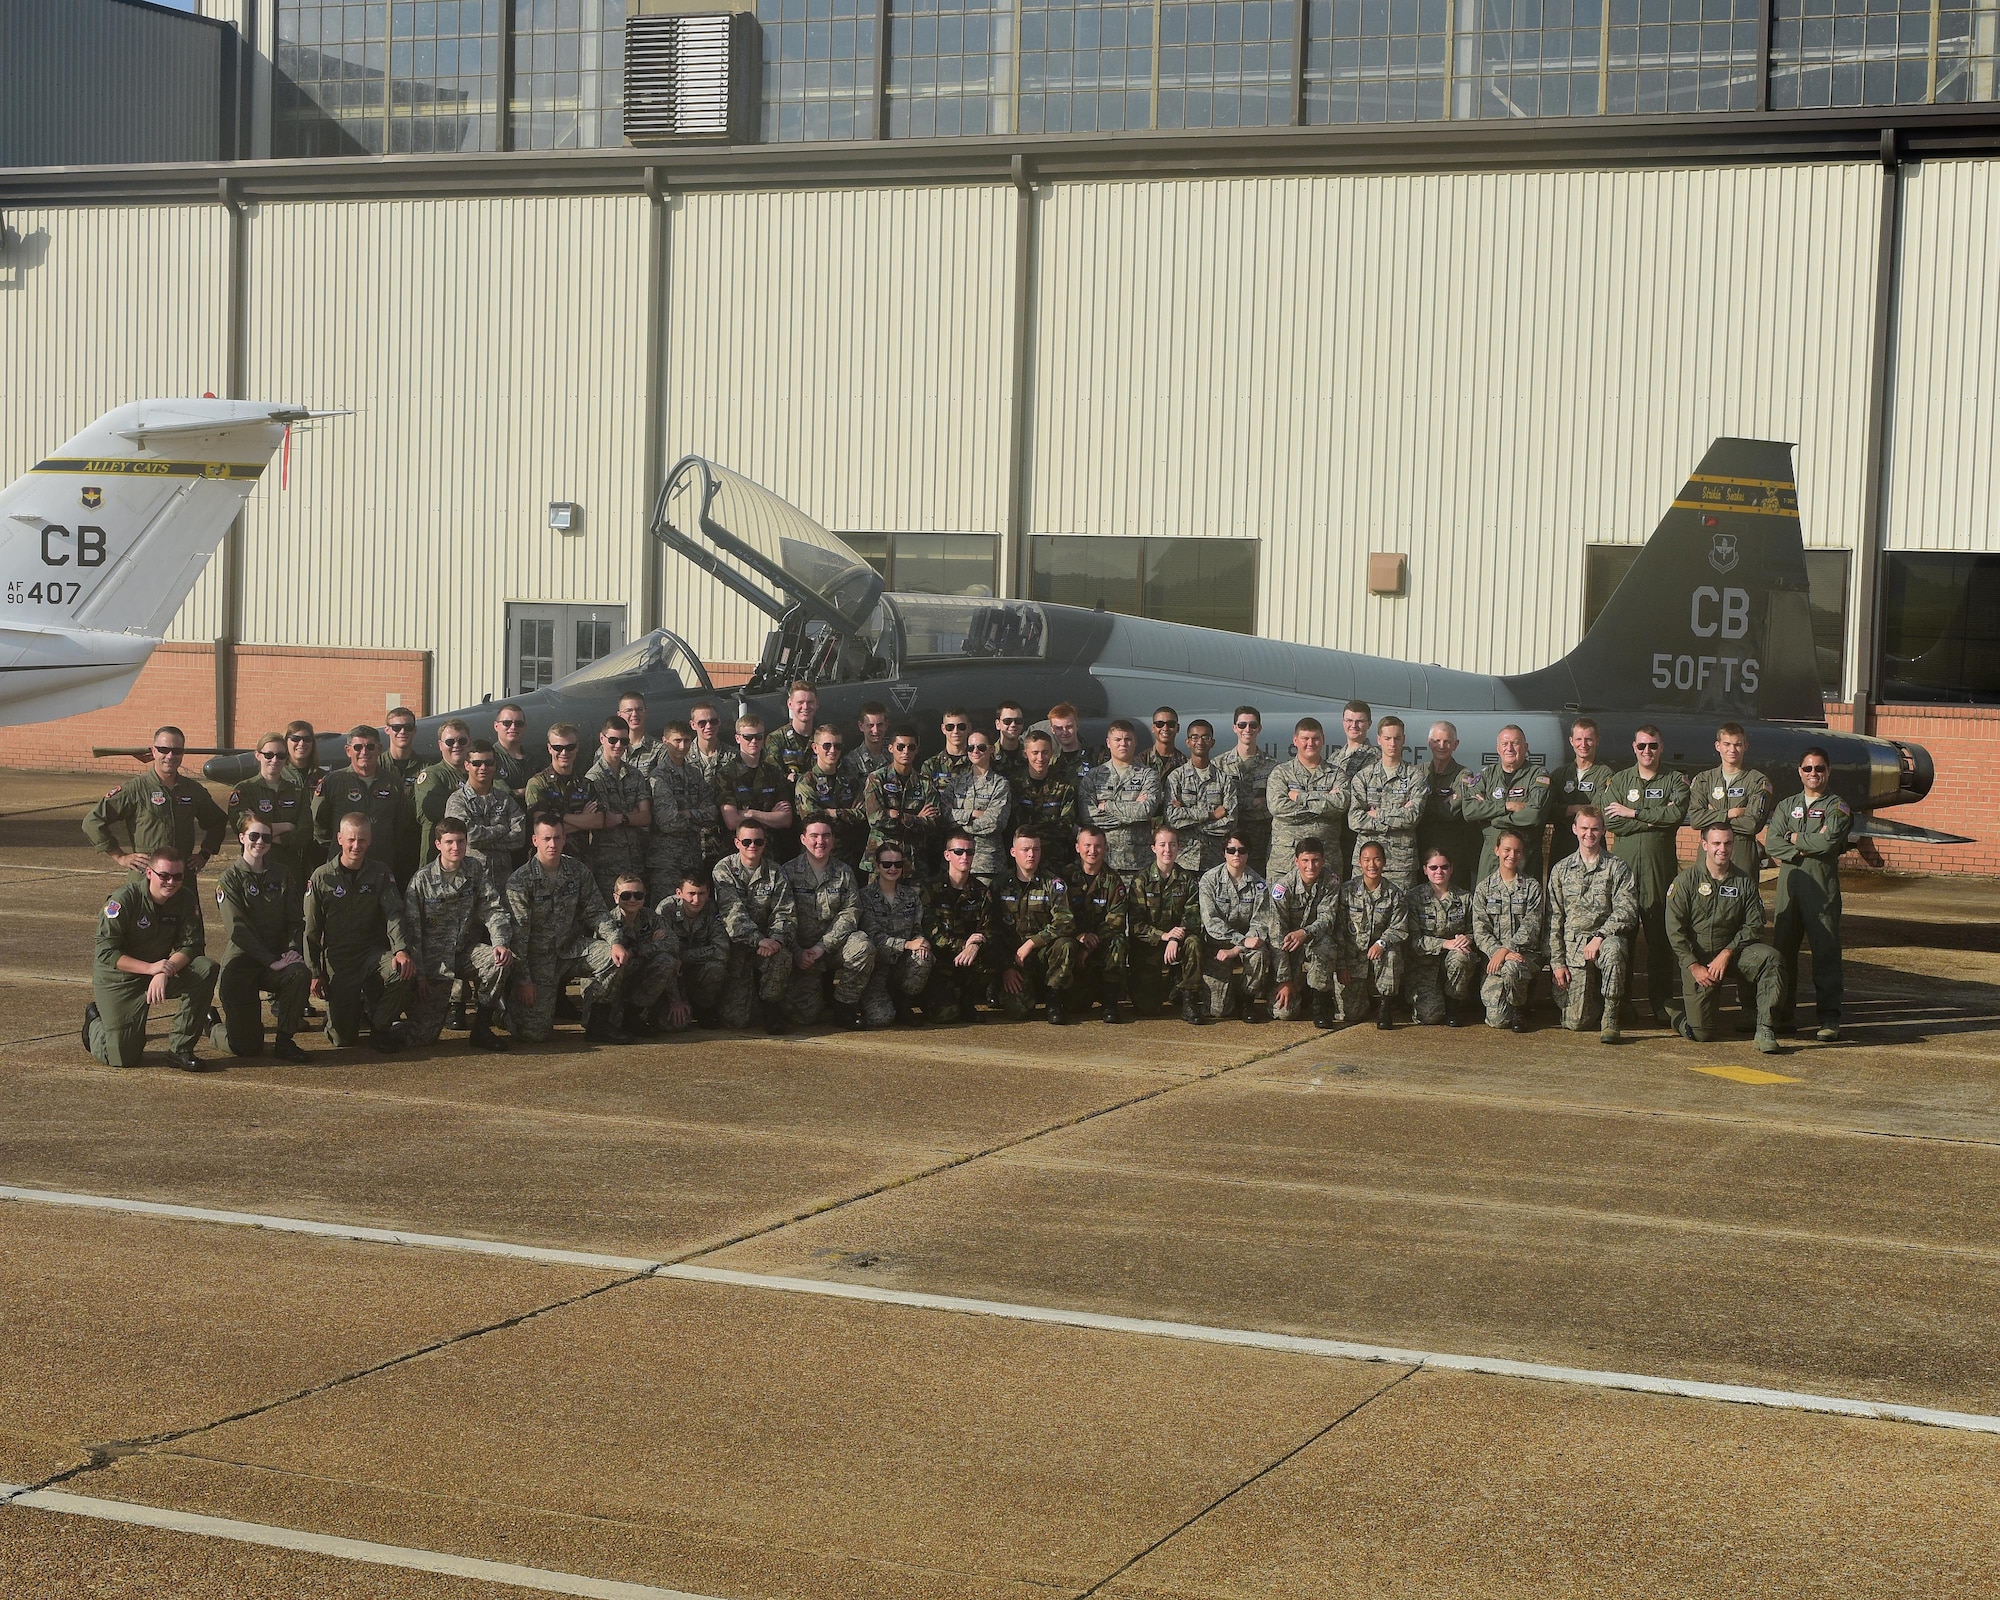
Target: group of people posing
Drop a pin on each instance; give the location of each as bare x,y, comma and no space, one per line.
697,879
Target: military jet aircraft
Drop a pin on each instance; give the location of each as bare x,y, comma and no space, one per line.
1710,625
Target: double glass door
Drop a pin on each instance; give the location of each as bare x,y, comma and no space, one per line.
546,643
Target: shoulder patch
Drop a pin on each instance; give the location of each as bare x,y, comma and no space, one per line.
235,798
1055,883
1542,778
111,908
1277,891
158,797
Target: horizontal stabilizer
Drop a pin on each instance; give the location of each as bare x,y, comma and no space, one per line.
1873,825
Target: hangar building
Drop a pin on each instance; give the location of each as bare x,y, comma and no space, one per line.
1186,306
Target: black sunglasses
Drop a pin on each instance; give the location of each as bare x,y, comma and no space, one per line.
167,877
632,897
958,850
258,838
888,865
1234,850
562,749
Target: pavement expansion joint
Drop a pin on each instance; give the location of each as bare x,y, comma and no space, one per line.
1262,1472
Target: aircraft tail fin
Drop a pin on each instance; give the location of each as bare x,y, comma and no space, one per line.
1714,618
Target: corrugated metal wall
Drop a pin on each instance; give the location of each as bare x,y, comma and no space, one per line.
103,305
1944,463
1485,372
847,349
493,354
90,81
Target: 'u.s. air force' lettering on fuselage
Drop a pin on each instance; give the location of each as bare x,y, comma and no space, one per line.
1711,612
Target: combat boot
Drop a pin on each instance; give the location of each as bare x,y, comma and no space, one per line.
483,1036
1057,1015
90,1015
1384,1016
1111,1011
1767,1042
1323,1013
1450,1016
1192,1011
1257,1011
286,1048
1609,1033
603,1028
776,1021
1828,1032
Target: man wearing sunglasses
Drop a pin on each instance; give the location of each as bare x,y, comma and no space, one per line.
1643,809
1165,755
1010,754
149,941
1250,769
625,795
711,745
302,768
827,931
510,751
400,757
1808,831
643,950
958,934
496,828
564,787
276,803
159,810
556,909
901,804
949,762
357,943
365,788
439,781
829,791
460,927
753,788
264,923
754,900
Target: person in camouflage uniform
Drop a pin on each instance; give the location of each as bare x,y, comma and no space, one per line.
754,900
1304,795
894,919
958,929
459,928
871,745
439,781
1735,794
753,788
496,828
556,908
1374,919
1385,802
1202,802
1514,794
683,815
1071,759
1593,907
700,951
264,922
161,810
828,792
1250,769
1307,949
1163,931
1033,934
564,789
1808,831
1444,826
1355,756
791,748
1581,781
643,951
149,943
1644,811
362,786
1097,906
270,799
1010,754
1123,799
1715,922
949,762
1509,918
1164,758
624,793
513,765
1046,801
357,943
901,805
1238,927
712,747
1443,967
641,748
980,801
827,931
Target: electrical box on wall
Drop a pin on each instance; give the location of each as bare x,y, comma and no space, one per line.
1388,573
565,516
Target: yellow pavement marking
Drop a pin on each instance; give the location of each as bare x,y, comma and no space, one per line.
1746,1075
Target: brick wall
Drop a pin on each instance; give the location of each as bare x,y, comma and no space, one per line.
273,684
1964,744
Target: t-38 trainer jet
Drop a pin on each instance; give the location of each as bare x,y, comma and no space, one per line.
1710,625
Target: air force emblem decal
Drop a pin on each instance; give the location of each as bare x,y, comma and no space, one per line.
93,497
1722,553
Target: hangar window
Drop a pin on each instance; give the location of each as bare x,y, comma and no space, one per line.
1210,583
1605,567
1941,628
819,68
1877,53
931,563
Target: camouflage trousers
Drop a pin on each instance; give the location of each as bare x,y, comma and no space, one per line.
851,962
1430,983
701,985
366,982
754,978
1100,973
550,974
1238,982
1596,989
429,1005
646,975
239,995
904,973
953,991
1153,982
1201,851
1757,969
1309,970
1050,970
669,858
1506,993
1367,982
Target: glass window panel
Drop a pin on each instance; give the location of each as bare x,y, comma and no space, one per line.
1088,572
945,563
1877,54
873,548
1604,568
1210,583
1826,571
834,97
1941,628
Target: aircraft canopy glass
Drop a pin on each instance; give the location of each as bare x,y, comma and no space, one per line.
959,626
651,655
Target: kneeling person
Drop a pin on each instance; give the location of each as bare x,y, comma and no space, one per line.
1443,969
1163,930
1097,902
1509,913
149,943
1307,903
459,928
894,916
758,911
642,951
1033,932
556,909
1593,902
826,901
1238,927
1374,932
700,974
357,942
263,919
1715,921
958,929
